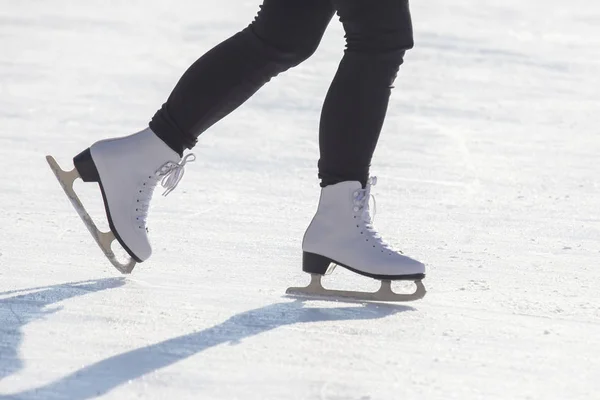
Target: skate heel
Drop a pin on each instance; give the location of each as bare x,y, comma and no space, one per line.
85,166
315,263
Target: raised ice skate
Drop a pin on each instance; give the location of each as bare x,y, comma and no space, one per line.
342,233
127,171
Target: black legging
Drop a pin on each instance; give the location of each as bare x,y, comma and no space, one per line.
284,34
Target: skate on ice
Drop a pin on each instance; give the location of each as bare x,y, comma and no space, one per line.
342,233
127,171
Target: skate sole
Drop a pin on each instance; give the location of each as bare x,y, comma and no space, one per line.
385,293
318,264
103,239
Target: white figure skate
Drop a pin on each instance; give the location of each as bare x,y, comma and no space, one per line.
127,170
341,233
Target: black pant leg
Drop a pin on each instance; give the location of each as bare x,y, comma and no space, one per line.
283,34
378,33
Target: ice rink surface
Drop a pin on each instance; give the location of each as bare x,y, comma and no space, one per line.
488,171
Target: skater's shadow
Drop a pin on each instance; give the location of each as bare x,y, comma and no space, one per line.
105,375
20,307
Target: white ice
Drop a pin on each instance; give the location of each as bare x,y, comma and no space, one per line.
488,167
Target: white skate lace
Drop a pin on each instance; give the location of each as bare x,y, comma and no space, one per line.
173,173
361,204
169,175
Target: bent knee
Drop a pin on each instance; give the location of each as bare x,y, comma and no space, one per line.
380,40
287,51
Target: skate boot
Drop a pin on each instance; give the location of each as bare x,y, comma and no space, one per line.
127,169
342,233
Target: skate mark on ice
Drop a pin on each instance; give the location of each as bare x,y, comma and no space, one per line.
103,376
28,305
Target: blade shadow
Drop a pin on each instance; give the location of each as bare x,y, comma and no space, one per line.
27,305
103,376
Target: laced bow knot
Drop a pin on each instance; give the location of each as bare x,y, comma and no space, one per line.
172,173
169,175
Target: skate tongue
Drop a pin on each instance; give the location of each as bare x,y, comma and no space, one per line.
362,198
173,173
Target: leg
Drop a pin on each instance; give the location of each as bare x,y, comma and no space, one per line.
128,169
377,34
284,33
341,232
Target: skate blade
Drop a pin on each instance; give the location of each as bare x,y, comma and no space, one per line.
103,239
385,293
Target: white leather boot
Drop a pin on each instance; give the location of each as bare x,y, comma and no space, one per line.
127,170
342,233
